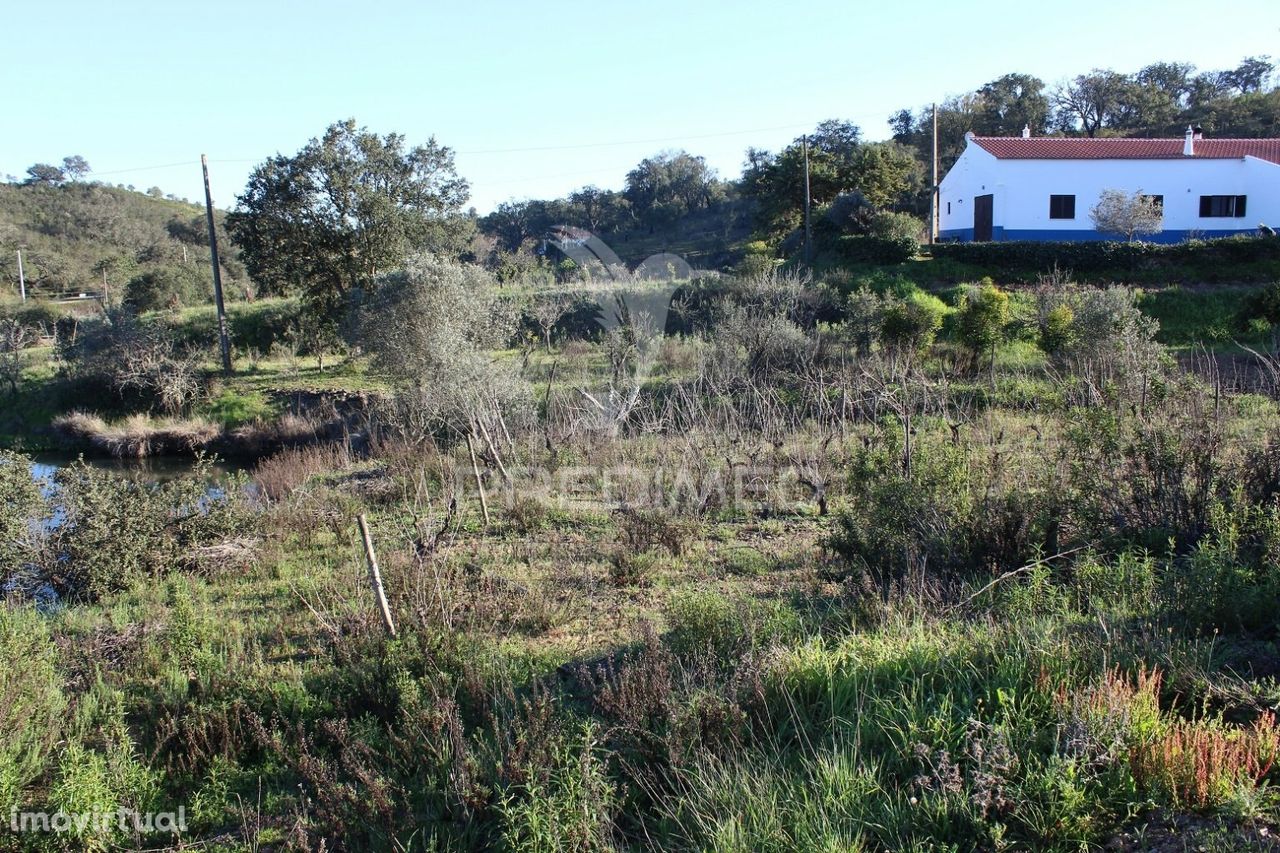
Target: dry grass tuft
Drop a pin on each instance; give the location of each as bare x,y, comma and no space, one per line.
136,437
279,475
232,555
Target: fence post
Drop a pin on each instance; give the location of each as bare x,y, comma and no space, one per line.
375,576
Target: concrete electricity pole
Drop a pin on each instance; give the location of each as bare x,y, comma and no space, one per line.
22,279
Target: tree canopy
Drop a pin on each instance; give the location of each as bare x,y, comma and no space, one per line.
669,185
1160,99
347,208
45,173
839,163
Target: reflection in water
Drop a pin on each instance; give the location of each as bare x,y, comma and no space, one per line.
153,469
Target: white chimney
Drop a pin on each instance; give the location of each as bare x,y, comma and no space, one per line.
1189,144
1026,131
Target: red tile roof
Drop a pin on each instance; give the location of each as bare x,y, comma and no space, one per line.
1055,148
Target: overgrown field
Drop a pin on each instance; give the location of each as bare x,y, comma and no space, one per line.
840,568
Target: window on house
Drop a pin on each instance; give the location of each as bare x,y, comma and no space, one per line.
948,208
1157,200
1222,205
1062,207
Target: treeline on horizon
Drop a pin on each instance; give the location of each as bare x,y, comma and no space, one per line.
76,233
671,188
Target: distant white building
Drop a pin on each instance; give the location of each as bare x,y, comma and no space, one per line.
1011,188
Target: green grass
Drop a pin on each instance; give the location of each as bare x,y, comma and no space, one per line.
1209,316
587,672
752,696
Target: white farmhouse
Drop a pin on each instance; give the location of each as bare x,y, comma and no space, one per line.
1011,188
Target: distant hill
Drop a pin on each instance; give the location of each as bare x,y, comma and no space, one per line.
70,234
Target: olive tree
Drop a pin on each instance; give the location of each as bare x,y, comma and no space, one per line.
1104,339
432,329
1130,214
548,310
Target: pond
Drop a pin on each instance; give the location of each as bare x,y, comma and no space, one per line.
154,469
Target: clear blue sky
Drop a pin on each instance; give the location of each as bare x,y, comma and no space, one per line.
146,84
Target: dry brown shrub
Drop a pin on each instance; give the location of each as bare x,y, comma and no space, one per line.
279,475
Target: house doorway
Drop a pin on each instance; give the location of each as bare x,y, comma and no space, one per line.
983,217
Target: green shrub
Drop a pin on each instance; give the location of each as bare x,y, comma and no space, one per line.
1230,580
31,700
870,249
911,324
256,325
629,568
760,259
702,621
746,562
117,530
982,317
1057,331
23,505
889,225
1262,304
1126,583
169,288
112,535
939,515
232,408
568,804
105,777
38,317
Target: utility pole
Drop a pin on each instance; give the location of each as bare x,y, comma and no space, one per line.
933,191
223,342
808,232
22,279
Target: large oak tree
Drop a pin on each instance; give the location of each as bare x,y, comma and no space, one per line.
347,208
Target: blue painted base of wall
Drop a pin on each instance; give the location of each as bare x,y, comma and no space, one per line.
1062,235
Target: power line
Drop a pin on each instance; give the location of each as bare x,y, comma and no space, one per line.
632,141
572,147
611,170
146,168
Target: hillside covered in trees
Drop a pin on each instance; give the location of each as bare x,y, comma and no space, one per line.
77,236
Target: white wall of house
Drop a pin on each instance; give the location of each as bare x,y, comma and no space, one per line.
1021,190
975,173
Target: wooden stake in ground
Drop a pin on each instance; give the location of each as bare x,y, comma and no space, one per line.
375,576
224,342
475,470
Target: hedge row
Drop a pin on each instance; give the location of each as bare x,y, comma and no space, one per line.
1102,257
868,249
